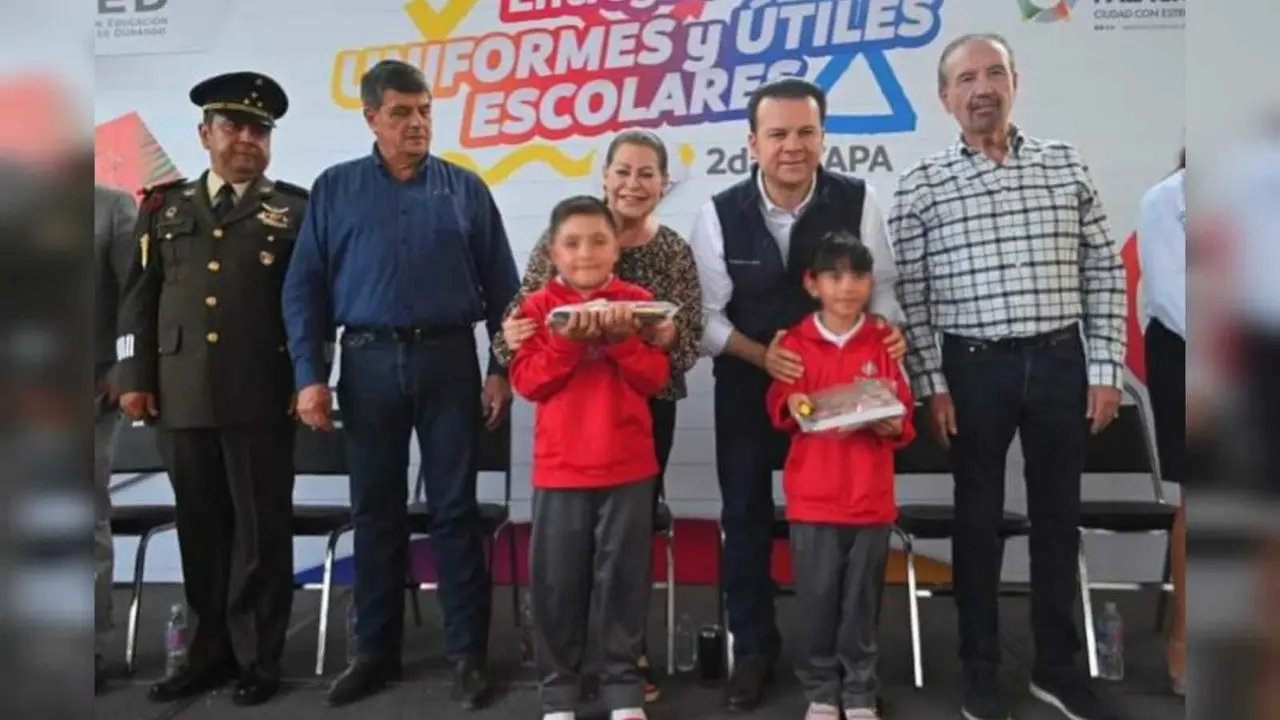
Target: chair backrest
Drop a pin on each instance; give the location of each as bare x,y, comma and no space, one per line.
1121,447
317,452
136,450
924,456
1126,446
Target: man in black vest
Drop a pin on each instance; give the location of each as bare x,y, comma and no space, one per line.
202,355
751,244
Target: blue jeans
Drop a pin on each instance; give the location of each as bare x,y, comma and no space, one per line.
388,389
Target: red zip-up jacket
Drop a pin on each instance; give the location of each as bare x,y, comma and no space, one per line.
830,478
592,425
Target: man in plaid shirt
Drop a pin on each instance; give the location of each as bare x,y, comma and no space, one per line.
1005,261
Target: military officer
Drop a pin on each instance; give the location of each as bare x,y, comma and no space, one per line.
202,355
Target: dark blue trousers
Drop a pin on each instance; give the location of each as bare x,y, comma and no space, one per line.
386,391
747,451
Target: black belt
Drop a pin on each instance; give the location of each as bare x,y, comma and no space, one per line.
406,334
1012,344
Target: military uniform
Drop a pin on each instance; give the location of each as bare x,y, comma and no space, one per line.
201,328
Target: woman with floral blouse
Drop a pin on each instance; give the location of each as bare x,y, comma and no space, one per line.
653,256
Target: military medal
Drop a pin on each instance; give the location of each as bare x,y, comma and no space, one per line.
171,211
266,258
274,216
145,247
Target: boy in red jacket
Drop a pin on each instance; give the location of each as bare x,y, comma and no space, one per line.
594,465
839,486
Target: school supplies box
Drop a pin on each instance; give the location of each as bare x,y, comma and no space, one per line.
851,407
648,312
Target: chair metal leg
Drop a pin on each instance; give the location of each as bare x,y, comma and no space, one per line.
135,605
917,661
1086,606
412,588
514,558
326,593
724,619
669,536
1162,597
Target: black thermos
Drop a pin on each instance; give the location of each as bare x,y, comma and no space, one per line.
711,653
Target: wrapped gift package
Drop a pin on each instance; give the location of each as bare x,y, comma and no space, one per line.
646,311
844,408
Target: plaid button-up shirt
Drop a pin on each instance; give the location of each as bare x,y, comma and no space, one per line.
990,251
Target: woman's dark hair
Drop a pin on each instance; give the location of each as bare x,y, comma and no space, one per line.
575,206
643,138
841,251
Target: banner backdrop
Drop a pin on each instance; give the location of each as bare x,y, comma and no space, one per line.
529,92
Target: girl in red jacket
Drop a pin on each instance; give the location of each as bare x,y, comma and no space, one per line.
594,464
839,486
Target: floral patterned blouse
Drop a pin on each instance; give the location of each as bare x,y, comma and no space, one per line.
663,266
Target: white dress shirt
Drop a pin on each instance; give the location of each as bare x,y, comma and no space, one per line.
1162,252
214,183
707,241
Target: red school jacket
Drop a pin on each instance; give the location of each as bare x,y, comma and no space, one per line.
839,479
592,425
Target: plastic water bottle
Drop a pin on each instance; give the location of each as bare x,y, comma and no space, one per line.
175,640
686,645
353,645
1111,644
526,629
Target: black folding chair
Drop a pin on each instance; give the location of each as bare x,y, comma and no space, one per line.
1126,446
916,522
136,453
322,453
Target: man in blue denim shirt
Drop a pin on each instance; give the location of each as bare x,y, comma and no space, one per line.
406,252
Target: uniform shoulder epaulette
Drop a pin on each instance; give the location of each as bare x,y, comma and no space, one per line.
291,189
160,187
153,195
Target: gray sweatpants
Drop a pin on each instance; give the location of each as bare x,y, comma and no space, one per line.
591,547
105,431
839,577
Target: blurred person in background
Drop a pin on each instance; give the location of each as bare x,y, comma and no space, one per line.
202,356
654,257
1032,344
1162,250
114,215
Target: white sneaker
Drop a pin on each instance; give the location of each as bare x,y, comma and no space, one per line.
820,711
558,716
628,714
861,714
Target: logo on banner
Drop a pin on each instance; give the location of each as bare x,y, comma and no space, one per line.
544,72
1046,11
